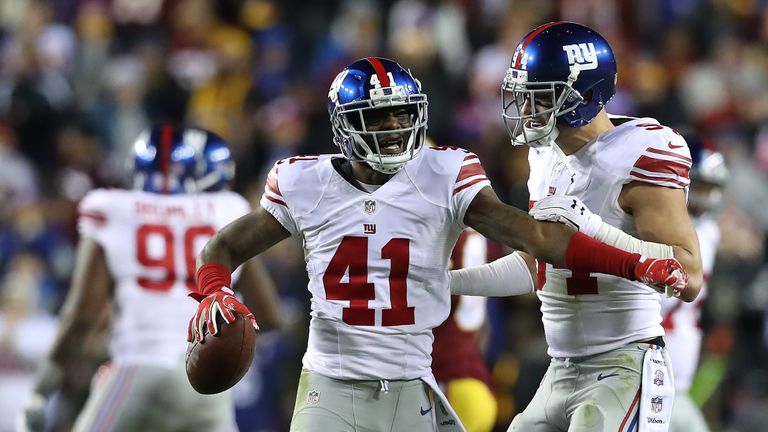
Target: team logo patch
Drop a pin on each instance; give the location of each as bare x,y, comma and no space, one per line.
583,56
657,403
369,206
658,378
313,397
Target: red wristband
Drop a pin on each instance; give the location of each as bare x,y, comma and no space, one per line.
587,254
212,277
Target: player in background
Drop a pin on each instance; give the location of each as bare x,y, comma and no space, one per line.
609,369
136,255
378,223
457,362
681,320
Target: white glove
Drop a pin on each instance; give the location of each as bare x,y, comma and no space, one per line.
31,418
568,210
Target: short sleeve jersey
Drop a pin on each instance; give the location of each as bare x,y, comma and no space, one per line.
377,262
591,313
151,242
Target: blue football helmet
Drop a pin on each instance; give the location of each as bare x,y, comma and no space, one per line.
709,173
173,160
370,84
561,75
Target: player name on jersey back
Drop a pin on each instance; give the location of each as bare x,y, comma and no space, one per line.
151,242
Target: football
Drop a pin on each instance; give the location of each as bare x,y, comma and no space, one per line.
221,360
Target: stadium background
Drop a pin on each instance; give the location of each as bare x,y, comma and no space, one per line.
80,78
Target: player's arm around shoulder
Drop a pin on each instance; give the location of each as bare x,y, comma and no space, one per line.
498,221
661,216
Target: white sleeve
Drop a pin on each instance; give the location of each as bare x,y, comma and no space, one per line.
507,276
273,201
619,239
470,180
92,216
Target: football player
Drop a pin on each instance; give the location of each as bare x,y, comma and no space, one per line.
378,223
609,369
681,320
136,255
457,363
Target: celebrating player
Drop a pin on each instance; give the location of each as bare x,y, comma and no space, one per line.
681,320
378,223
604,333
137,256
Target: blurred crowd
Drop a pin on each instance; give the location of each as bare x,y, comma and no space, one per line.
79,79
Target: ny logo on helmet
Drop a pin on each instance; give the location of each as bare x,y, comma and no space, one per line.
583,56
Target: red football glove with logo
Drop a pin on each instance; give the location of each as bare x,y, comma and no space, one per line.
664,275
216,299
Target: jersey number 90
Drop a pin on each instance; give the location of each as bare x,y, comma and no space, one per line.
166,260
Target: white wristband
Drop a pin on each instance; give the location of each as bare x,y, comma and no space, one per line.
619,239
507,276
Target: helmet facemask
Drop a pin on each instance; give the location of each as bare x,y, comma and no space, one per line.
536,126
357,142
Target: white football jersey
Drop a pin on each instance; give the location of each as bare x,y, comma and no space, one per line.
151,242
681,319
377,262
591,313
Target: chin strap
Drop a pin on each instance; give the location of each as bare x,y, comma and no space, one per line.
564,159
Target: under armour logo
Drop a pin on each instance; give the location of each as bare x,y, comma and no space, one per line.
581,210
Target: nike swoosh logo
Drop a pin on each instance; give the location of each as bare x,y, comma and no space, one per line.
423,411
672,146
601,377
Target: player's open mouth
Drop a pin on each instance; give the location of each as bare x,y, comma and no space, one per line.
392,146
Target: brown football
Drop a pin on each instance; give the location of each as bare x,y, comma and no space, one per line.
221,360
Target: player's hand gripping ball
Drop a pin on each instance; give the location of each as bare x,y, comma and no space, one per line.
222,337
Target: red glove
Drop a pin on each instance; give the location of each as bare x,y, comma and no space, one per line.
216,299
663,275
220,303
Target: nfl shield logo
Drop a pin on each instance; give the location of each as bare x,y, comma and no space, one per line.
370,206
658,378
313,397
656,404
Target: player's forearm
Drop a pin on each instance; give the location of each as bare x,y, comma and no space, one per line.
516,229
617,238
243,239
692,265
219,251
69,344
506,276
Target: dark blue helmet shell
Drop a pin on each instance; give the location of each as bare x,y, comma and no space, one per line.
567,68
173,160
